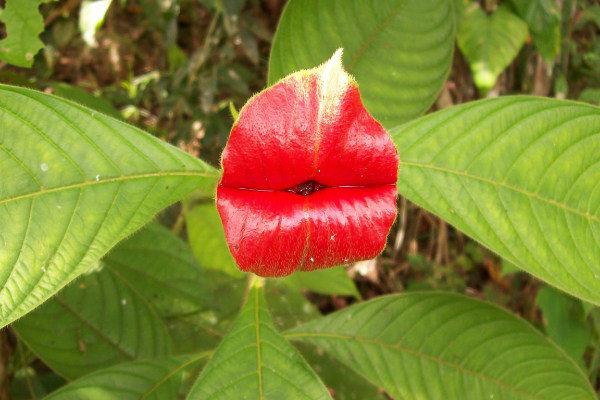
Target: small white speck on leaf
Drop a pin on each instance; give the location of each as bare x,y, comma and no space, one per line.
124,302
28,56
93,113
97,177
43,269
306,308
59,207
44,167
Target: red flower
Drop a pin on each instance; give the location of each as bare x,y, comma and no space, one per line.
309,177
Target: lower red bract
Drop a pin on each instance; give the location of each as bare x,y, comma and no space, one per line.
309,177
273,233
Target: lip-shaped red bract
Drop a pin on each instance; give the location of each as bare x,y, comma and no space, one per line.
309,177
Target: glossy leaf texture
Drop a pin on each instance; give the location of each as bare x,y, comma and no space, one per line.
156,379
543,18
96,322
75,183
255,362
308,176
433,346
400,51
518,174
489,42
24,23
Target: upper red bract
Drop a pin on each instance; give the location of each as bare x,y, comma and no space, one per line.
308,176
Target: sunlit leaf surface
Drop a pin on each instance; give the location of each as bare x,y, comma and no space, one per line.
79,182
521,175
432,346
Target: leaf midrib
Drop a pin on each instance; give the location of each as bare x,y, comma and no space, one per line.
206,354
95,329
409,351
369,40
502,184
109,180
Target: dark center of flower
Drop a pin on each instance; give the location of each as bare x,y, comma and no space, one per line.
306,188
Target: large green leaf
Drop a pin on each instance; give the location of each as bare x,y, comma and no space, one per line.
433,346
74,183
543,18
96,322
159,379
23,27
255,362
400,51
520,175
489,42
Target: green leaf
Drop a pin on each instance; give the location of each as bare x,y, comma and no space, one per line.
91,18
255,362
565,321
23,27
159,379
434,345
207,239
343,382
205,328
399,51
163,269
287,305
590,95
543,18
12,78
96,322
326,281
25,384
490,42
509,268
79,95
290,309
518,174
75,183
